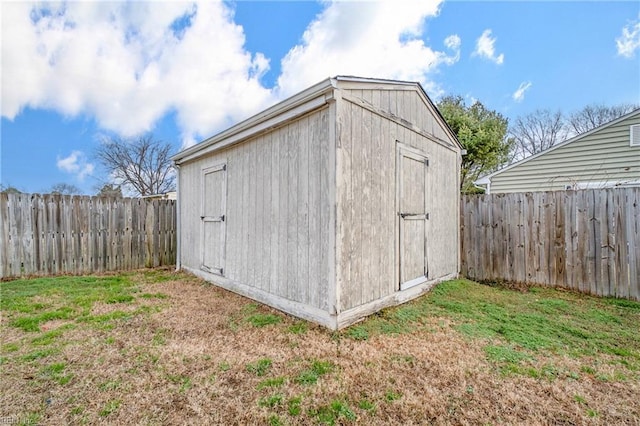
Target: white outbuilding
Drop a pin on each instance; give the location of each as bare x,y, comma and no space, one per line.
331,205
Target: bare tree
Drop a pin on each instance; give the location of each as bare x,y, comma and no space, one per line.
142,165
536,132
64,189
595,115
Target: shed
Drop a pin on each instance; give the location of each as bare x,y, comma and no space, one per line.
330,205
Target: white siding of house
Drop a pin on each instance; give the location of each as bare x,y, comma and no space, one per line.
603,158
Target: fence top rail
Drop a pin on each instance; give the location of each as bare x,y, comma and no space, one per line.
66,197
629,189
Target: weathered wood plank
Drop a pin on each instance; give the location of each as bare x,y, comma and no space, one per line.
583,240
293,289
302,276
317,144
633,237
4,234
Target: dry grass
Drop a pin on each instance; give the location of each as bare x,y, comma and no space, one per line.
186,353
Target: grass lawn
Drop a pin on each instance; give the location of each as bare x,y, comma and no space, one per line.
157,347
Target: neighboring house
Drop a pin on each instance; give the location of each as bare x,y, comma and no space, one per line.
171,195
605,157
330,205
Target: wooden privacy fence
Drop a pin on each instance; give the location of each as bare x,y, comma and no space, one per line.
62,234
586,240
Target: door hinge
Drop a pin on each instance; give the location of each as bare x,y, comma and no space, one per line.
222,218
426,162
427,214
224,167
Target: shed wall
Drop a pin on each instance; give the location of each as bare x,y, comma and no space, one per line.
604,158
278,213
368,222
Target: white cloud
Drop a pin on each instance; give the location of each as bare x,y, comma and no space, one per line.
369,39
76,163
485,48
128,64
518,95
629,41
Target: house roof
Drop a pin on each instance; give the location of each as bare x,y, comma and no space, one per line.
483,180
294,106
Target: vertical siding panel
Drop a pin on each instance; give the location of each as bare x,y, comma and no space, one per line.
292,212
326,181
314,154
234,216
385,156
265,213
244,159
366,285
357,134
346,202
303,211
285,156
276,251
252,209
376,224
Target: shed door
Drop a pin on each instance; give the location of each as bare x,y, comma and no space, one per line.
214,195
412,216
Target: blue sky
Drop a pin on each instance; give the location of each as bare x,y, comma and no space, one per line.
75,73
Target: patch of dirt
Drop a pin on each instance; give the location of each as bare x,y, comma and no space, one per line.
53,324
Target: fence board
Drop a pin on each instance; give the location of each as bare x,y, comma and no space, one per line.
586,240
54,234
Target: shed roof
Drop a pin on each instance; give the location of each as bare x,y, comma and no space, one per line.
307,100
